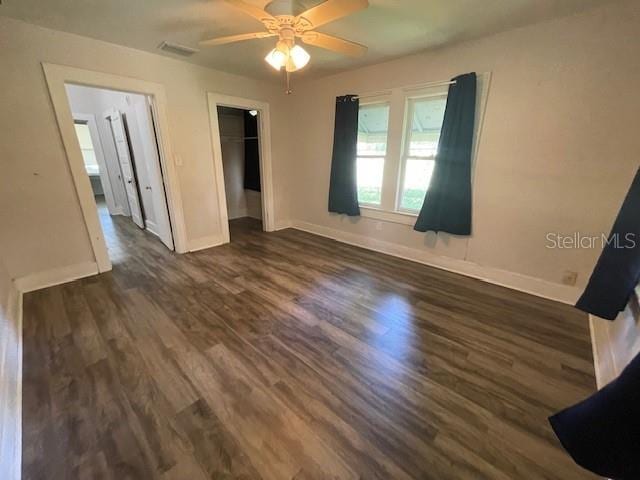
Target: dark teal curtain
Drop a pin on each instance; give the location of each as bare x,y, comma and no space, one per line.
617,272
343,189
602,433
447,204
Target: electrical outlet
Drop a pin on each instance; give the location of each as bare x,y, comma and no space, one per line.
569,277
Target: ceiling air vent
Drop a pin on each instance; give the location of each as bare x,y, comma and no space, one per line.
177,48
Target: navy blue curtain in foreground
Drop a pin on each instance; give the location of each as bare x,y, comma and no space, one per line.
251,153
447,204
602,433
343,188
617,272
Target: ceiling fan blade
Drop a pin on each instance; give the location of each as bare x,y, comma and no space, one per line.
334,44
255,12
235,38
328,12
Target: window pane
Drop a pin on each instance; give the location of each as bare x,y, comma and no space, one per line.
428,114
84,137
417,177
86,146
373,123
370,171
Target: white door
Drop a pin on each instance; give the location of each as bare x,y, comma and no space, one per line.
154,170
126,166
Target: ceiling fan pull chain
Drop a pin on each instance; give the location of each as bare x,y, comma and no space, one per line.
288,91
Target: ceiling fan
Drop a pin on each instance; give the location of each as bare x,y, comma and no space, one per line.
287,27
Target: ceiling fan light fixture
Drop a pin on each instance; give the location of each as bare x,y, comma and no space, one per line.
299,57
276,59
283,20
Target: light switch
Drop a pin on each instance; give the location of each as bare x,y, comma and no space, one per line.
178,160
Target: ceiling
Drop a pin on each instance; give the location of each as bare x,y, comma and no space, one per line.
390,28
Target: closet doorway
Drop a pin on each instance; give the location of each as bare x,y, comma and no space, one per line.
241,136
240,144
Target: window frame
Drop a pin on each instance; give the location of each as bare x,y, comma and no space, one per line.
409,110
384,100
389,210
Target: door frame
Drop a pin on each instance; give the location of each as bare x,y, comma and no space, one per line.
56,77
216,100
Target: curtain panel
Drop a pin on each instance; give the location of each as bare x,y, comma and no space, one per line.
343,188
617,271
447,204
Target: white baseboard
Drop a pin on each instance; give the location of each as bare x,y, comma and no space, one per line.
205,242
11,387
283,224
237,215
603,356
615,343
515,281
56,276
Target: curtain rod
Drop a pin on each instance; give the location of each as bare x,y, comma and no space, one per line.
405,88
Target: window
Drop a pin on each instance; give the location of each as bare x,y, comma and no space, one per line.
398,135
86,146
373,123
424,123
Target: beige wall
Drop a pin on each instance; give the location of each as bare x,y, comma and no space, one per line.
41,220
558,149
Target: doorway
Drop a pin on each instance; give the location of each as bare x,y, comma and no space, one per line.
259,111
240,146
120,149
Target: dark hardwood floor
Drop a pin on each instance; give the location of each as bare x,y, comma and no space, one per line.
290,356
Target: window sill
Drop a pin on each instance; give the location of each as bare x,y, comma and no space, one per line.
402,218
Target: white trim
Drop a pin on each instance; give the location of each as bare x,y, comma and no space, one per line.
11,374
266,175
206,242
56,77
20,349
515,281
283,225
615,343
56,276
403,218
604,361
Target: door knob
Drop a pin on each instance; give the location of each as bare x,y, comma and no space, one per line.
129,181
